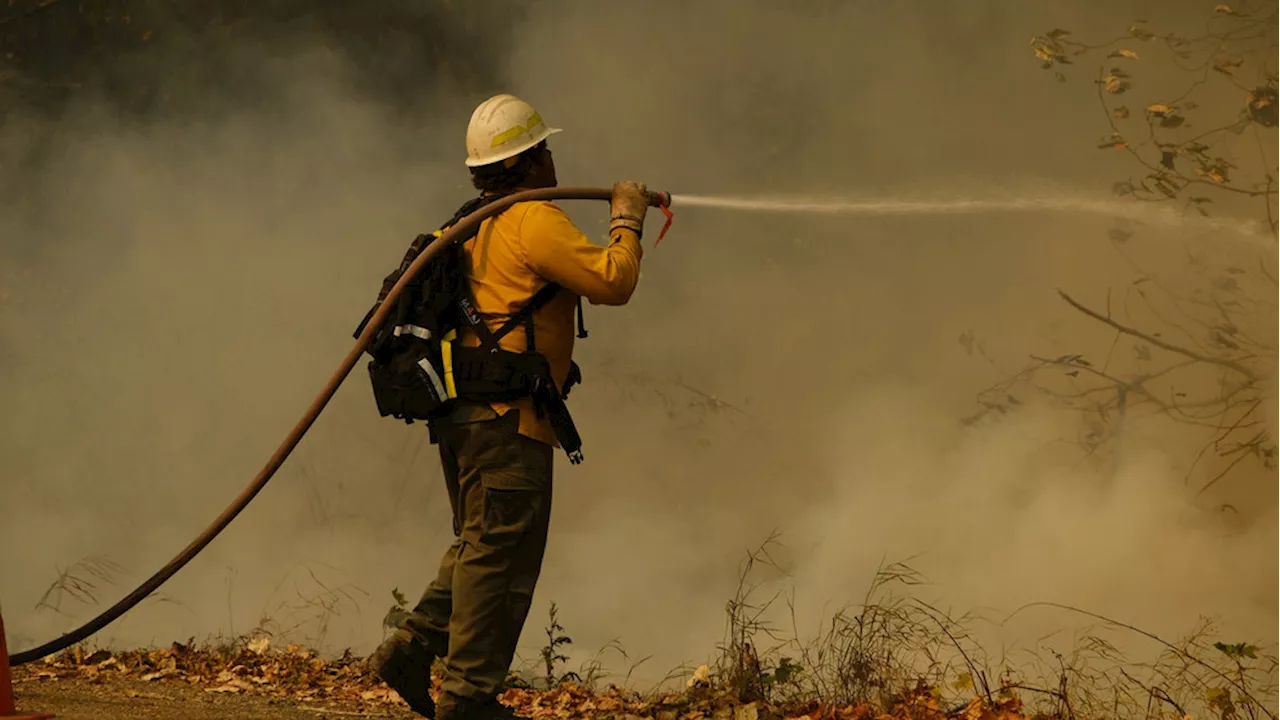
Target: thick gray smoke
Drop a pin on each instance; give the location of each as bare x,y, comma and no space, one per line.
175,291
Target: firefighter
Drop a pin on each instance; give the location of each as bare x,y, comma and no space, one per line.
497,457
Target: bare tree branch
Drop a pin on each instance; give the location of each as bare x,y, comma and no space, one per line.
1134,332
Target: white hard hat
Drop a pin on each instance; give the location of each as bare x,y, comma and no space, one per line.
502,127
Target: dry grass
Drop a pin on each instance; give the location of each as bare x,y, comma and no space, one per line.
891,654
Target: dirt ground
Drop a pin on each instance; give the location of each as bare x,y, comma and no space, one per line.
131,699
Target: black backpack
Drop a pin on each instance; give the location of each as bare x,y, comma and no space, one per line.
417,372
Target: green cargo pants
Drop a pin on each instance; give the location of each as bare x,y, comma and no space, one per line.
499,485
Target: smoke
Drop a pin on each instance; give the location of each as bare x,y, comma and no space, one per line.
178,288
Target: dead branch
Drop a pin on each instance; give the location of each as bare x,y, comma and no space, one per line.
1177,651
1134,332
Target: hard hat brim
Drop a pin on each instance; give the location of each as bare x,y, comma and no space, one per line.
512,151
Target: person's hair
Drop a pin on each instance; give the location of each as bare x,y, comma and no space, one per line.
497,178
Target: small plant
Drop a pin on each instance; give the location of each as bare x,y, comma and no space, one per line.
551,653
739,669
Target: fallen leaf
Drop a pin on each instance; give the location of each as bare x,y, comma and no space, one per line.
1224,9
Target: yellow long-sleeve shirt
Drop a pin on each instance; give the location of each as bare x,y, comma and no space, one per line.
525,247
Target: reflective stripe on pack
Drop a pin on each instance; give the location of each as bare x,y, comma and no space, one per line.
433,376
414,330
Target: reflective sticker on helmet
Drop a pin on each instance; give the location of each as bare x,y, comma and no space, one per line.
508,135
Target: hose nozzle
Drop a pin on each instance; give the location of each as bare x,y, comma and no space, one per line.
659,198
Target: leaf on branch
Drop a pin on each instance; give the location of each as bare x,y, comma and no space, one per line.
1218,698
1215,173
1224,10
1262,105
1120,113
1115,141
1050,53
1115,84
1140,34
1072,360
1237,650
1225,65
1166,159
1057,33
1166,183
1168,116
1124,54
1193,148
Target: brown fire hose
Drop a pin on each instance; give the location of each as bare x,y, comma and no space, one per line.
660,200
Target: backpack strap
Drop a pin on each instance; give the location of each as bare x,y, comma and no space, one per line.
488,338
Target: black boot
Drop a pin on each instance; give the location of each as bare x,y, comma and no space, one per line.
404,664
454,708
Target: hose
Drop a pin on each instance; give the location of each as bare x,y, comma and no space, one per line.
660,200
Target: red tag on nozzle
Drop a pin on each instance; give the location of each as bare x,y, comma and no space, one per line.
665,226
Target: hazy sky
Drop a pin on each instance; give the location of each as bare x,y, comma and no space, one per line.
175,289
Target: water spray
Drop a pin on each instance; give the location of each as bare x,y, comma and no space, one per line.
1154,213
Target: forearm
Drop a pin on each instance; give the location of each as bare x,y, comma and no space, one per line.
621,269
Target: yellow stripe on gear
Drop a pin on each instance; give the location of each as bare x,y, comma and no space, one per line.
446,354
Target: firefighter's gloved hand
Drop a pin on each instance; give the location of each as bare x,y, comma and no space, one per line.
628,206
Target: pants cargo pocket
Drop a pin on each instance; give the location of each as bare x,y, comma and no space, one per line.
508,514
